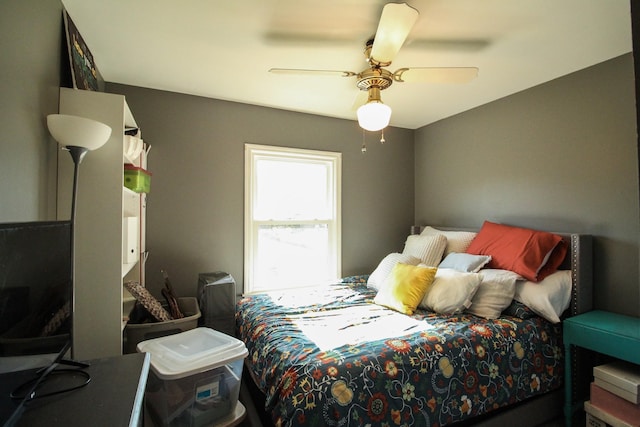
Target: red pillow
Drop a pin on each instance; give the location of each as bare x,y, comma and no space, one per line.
530,253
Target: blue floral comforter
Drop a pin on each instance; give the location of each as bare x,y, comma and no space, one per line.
330,357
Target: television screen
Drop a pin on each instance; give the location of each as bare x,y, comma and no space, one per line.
36,293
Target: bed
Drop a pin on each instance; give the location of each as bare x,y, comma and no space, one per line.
335,356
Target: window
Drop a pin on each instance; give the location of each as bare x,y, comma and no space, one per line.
292,217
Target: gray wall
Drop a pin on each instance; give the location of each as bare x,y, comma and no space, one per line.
559,157
29,81
568,149
195,208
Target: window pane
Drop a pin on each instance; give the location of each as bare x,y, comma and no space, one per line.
292,217
292,255
292,190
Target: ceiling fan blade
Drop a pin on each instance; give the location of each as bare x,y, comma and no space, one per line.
305,39
448,45
331,73
436,74
395,23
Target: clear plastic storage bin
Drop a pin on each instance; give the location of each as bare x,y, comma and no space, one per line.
194,378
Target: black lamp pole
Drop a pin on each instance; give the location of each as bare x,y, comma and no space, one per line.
77,154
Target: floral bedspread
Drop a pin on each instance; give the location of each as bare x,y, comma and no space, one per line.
330,357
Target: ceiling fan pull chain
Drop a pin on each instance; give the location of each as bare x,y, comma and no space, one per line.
364,146
382,140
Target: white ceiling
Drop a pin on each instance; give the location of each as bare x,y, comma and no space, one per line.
224,49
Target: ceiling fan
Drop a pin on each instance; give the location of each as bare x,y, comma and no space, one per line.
394,26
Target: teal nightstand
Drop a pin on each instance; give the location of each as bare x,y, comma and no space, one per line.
607,333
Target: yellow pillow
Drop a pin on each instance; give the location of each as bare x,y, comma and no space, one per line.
405,287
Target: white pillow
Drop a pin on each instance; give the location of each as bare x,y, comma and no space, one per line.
377,278
428,248
451,291
494,294
457,241
465,262
548,298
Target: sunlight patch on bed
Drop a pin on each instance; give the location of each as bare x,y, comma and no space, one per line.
318,295
355,325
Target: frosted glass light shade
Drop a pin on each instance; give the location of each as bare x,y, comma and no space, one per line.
374,116
75,131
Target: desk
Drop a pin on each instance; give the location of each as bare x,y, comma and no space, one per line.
607,333
113,398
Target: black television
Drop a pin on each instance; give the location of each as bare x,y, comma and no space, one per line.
36,293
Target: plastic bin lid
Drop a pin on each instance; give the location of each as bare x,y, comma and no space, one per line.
191,352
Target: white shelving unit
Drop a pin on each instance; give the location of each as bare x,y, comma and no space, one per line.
110,226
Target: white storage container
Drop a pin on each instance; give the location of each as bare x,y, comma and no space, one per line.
194,378
620,378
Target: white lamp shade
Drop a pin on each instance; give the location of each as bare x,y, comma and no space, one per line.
75,131
374,116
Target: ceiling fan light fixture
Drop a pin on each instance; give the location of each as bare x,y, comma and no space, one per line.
374,115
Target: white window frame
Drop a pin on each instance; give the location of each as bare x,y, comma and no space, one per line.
255,153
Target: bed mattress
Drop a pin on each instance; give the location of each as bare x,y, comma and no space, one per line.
330,357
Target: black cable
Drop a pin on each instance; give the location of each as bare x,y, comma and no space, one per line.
17,413
32,393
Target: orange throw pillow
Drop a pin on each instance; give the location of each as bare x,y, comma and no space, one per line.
530,253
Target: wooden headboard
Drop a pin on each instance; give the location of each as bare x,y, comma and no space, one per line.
579,260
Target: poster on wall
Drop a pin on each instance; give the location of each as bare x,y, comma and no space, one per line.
84,72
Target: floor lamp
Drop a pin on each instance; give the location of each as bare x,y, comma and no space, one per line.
78,135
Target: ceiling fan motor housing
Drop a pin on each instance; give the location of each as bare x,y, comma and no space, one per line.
374,77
